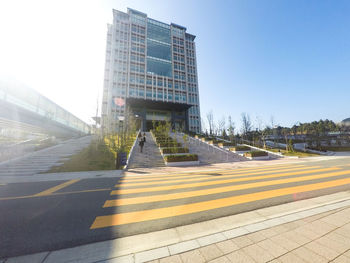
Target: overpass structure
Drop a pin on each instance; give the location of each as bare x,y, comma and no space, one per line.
24,108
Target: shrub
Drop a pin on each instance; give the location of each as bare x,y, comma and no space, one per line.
174,150
226,144
255,154
181,158
240,148
169,144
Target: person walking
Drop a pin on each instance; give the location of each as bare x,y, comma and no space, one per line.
141,143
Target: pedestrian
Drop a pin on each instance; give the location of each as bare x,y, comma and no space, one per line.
141,143
144,137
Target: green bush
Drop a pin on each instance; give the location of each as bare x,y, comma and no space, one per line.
181,158
240,148
255,154
226,144
169,144
174,150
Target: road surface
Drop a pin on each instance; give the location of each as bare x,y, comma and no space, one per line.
42,216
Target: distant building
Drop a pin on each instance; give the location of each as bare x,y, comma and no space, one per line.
150,72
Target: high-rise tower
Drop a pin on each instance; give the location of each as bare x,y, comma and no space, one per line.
151,72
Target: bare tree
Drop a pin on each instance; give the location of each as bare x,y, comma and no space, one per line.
272,122
210,119
221,125
258,123
203,125
246,123
231,128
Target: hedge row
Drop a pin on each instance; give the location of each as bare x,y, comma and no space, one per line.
174,150
169,144
181,158
240,148
226,144
255,154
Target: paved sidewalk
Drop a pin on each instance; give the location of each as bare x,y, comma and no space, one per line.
320,238
312,230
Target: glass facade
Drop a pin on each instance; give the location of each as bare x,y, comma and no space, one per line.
159,67
158,48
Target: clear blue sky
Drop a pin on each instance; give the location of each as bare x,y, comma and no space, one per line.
287,59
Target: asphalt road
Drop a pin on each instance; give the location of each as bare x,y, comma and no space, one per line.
52,215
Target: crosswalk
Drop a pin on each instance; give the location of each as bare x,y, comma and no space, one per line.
148,198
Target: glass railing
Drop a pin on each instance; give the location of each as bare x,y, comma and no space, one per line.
32,101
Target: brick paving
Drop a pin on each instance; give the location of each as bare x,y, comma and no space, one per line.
323,237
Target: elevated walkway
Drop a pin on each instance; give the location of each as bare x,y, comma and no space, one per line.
150,157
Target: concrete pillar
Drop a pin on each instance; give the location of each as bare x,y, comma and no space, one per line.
143,120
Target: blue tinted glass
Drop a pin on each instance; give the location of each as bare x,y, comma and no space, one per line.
159,67
158,33
158,50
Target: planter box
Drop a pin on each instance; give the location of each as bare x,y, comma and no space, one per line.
167,154
240,149
168,145
177,150
188,163
225,144
240,152
259,157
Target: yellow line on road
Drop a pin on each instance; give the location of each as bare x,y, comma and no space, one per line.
135,182
57,187
63,193
218,182
191,179
167,197
168,212
229,170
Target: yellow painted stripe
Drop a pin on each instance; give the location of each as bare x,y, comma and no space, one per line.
168,212
63,193
218,182
191,179
226,172
167,197
163,176
57,187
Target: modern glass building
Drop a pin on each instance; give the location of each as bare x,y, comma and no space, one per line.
150,72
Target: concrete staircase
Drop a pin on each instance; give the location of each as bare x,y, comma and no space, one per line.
43,160
208,154
150,157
